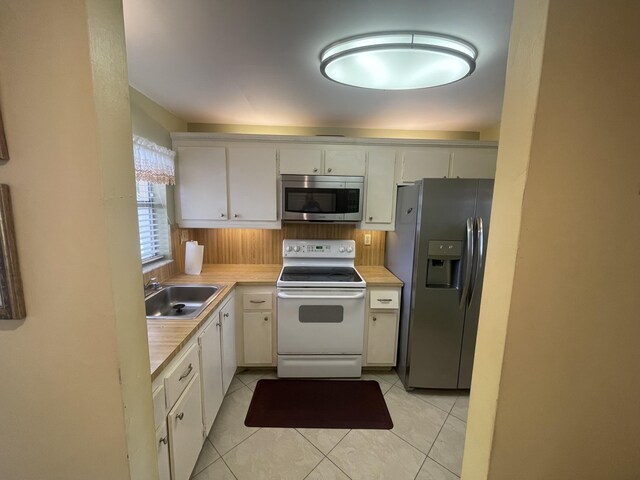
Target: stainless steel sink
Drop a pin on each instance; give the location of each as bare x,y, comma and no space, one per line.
180,302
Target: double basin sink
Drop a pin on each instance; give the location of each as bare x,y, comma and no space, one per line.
180,302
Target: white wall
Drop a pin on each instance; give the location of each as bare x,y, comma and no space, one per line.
75,379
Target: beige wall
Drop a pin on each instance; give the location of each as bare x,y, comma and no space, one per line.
152,121
563,305
155,123
75,373
347,132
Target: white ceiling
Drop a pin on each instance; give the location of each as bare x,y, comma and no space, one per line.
256,62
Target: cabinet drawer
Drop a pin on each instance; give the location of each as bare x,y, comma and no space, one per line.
179,376
384,299
257,301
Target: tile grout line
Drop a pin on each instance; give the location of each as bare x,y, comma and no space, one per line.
434,442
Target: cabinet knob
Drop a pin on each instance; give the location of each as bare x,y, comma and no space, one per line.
374,319
329,170
370,218
266,319
180,415
163,440
235,215
225,315
315,170
222,215
218,324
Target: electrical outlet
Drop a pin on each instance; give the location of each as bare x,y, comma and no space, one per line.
184,235
367,239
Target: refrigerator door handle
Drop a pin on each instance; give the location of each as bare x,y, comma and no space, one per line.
479,258
466,265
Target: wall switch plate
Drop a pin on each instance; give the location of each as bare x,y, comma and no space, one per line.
367,239
184,235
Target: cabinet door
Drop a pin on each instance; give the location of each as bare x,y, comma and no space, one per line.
228,336
252,184
202,183
297,161
344,162
473,163
162,443
211,371
425,163
380,186
257,327
185,431
381,342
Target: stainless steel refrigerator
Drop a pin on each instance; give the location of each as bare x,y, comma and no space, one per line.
438,250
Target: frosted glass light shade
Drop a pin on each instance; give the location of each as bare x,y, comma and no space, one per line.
398,60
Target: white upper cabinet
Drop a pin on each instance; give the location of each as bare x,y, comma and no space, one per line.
252,184
429,162
309,161
202,184
473,162
297,161
379,198
344,162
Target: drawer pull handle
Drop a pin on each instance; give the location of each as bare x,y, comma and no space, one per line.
163,440
257,301
186,373
180,415
385,300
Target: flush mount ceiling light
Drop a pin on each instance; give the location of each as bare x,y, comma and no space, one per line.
398,60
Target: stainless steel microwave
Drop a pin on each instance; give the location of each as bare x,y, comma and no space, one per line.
322,198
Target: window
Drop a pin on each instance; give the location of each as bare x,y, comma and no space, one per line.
152,221
154,170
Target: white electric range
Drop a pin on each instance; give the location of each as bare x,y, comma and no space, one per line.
321,307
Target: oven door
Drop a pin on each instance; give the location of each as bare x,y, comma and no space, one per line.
321,198
320,321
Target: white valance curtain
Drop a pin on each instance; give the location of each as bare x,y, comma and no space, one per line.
153,163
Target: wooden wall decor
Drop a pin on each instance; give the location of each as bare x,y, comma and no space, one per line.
254,246
4,150
11,294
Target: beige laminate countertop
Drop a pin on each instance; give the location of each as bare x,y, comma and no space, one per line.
167,337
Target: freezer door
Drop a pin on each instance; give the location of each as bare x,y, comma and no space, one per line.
482,217
437,318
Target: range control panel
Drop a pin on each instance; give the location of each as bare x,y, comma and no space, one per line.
319,248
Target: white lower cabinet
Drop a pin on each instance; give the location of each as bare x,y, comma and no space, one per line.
381,329
211,371
162,444
257,337
257,328
185,430
228,343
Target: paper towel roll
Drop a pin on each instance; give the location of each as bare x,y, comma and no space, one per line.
193,258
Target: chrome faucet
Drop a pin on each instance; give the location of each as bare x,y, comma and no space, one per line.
152,285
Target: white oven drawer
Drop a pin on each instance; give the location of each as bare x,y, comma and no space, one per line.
320,321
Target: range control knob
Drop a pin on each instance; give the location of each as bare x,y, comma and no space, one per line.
288,248
349,249
341,249
296,248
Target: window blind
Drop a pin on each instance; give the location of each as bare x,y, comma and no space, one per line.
152,222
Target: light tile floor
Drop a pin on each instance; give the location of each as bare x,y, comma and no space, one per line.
426,442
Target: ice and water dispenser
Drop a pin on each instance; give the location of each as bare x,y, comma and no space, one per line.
443,263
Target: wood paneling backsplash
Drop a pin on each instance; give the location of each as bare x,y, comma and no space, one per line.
253,246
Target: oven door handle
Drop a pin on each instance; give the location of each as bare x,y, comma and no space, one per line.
332,296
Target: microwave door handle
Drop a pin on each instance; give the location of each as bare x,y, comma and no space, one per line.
332,296
466,263
479,257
